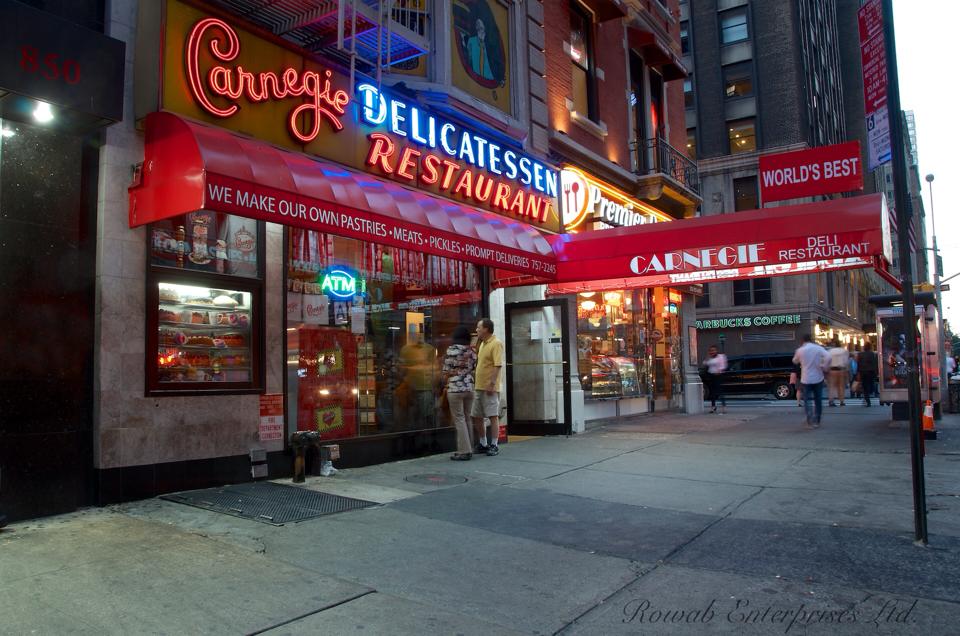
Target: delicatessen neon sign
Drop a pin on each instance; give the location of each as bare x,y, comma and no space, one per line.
453,159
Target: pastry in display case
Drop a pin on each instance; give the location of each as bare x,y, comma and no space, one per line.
614,376
605,378
629,379
203,335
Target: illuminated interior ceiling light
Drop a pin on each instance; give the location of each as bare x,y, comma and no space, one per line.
612,297
588,294
588,305
43,113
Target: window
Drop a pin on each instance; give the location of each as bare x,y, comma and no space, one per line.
762,291
692,143
688,101
755,291
745,195
743,136
581,56
737,80
205,325
365,342
733,26
685,37
704,301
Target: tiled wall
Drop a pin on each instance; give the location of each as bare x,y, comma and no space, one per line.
131,429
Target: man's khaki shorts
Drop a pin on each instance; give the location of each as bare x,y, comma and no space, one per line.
485,404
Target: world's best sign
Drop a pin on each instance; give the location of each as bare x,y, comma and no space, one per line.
807,173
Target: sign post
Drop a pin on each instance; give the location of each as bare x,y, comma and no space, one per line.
906,276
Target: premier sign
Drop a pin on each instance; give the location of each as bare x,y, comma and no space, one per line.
587,199
807,173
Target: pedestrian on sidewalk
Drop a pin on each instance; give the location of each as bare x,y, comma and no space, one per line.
795,383
716,366
867,369
813,360
459,367
486,396
837,379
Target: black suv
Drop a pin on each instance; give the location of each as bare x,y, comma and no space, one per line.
757,373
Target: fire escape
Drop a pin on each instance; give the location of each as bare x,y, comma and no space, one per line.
367,36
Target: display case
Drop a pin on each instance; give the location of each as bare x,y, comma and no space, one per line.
629,379
203,338
605,378
204,305
614,377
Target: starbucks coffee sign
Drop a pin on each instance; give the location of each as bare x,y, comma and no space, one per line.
734,322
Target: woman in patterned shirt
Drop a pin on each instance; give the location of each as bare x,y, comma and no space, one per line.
458,369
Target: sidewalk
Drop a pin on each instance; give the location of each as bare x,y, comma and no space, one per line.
741,523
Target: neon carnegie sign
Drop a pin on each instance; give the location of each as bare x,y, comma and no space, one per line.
453,149
324,102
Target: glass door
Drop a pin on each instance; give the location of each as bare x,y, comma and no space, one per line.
538,368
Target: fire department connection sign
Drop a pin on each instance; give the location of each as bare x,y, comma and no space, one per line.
807,173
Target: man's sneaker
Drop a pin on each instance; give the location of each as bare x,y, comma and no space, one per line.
493,450
481,449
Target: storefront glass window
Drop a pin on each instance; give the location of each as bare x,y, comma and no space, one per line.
203,334
666,343
628,343
205,307
367,328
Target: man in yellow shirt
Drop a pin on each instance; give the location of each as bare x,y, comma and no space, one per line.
486,398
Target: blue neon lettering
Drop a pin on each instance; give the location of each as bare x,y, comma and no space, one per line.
525,171
466,149
494,158
510,158
415,126
445,130
538,176
551,183
481,147
397,117
369,94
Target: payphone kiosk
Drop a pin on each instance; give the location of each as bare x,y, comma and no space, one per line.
892,348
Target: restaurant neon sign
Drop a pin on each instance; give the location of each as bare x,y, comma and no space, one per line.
325,102
452,159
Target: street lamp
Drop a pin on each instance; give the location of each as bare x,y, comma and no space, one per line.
944,381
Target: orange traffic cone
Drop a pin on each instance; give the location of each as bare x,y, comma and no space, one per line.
929,431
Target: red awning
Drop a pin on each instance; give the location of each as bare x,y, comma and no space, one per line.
680,252
190,166
798,239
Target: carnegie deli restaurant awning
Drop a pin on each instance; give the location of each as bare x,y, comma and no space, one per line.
798,239
190,166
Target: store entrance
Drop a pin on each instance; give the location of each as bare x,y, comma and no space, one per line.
538,368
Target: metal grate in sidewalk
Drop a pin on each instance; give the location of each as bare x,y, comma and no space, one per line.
267,502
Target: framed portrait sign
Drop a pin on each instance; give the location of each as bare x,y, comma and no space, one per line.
481,38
